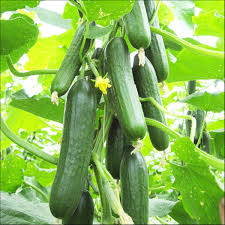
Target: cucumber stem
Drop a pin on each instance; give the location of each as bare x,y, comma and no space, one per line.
37,189
187,117
83,42
194,48
28,73
155,13
92,66
27,146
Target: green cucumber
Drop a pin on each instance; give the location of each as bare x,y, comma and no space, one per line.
137,26
147,86
191,87
123,94
114,149
199,116
71,63
134,186
76,147
205,142
156,52
84,213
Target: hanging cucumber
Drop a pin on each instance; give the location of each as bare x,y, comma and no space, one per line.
114,149
191,87
84,213
147,86
205,142
134,186
137,28
156,52
76,147
123,93
70,65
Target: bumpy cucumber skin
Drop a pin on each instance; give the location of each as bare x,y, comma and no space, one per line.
137,26
71,63
123,94
147,86
191,87
76,147
84,213
156,52
134,186
114,149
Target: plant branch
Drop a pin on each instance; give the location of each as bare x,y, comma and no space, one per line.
37,189
194,48
163,127
27,146
155,13
28,73
92,66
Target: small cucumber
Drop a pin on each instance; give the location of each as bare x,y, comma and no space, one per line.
71,63
156,52
123,94
76,147
137,26
147,86
191,87
84,213
114,149
134,186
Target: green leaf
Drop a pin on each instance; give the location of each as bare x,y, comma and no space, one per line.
15,209
165,15
200,191
49,52
147,146
183,12
17,32
160,207
97,32
38,105
107,10
7,5
180,215
214,25
71,12
12,172
206,101
218,136
214,125
193,66
210,5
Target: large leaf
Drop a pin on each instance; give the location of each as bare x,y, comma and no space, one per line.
160,207
97,32
17,32
11,172
206,101
218,136
164,14
7,5
210,5
107,10
180,215
15,209
200,191
194,66
214,25
214,125
38,105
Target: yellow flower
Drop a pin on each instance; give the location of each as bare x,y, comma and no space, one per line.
102,83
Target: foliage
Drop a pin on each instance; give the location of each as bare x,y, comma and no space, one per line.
183,186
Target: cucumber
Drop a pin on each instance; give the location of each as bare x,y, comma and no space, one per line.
134,186
114,149
71,63
137,26
123,94
205,142
84,213
156,52
199,116
191,87
147,86
76,147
